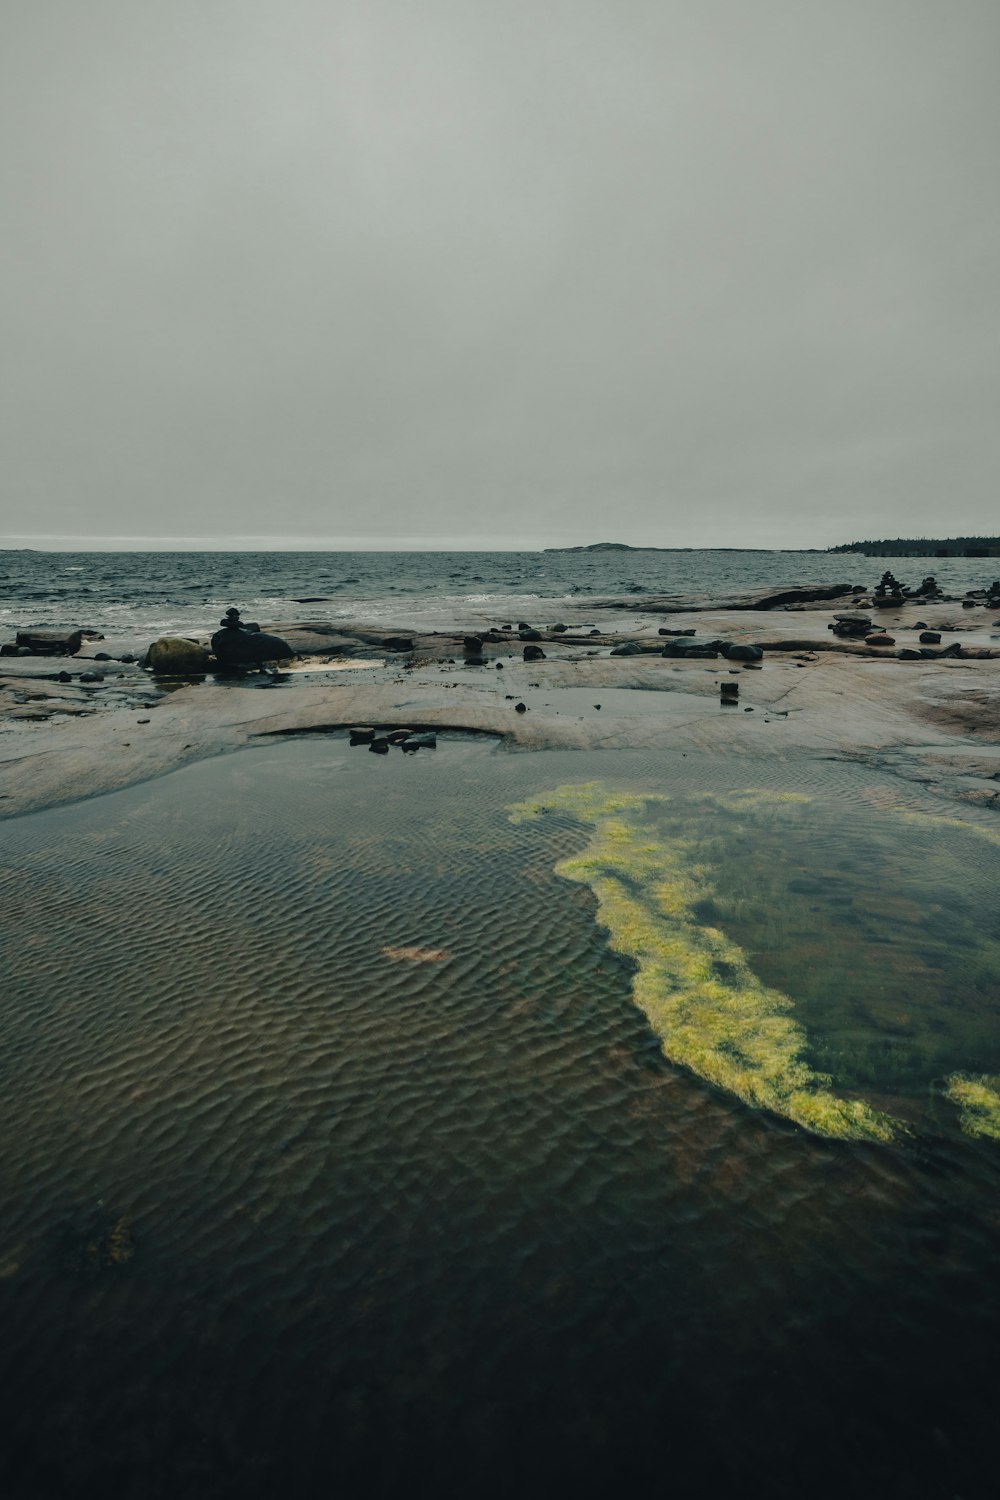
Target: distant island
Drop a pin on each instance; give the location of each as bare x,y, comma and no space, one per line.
625,547
608,547
923,546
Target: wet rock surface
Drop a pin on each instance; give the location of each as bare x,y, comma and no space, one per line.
813,690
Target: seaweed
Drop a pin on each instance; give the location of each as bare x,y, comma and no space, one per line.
978,1097
712,1013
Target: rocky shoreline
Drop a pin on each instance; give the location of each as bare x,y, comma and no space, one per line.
910,685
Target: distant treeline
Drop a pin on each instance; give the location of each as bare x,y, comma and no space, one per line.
927,546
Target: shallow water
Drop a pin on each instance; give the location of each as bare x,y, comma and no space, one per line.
339,1156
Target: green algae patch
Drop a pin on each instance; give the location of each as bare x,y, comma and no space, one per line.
978,1098
712,1013
930,820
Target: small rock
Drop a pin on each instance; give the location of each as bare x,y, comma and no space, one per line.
91,676
419,742
627,648
930,638
527,634
520,708
879,640
362,736
379,746
743,653
534,653
905,654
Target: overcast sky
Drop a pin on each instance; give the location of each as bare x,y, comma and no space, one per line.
517,272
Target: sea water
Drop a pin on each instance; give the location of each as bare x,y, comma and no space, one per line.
342,1157
128,593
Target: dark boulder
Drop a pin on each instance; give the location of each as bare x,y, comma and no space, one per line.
527,634
235,648
534,653
743,653
419,742
51,642
627,648
929,637
906,654
362,736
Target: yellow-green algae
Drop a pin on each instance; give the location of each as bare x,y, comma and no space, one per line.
978,1097
989,834
711,1012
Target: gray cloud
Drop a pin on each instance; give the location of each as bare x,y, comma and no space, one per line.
694,273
